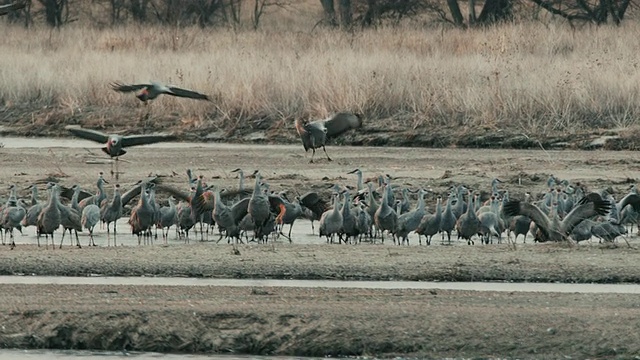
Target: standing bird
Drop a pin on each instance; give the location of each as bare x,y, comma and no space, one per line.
50,217
115,144
315,134
154,89
259,206
90,217
110,212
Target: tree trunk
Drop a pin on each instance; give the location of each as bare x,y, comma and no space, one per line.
139,10
456,14
494,11
345,14
472,12
372,13
53,12
329,12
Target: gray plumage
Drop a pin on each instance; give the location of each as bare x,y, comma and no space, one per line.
90,217
430,223
50,217
153,89
385,217
490,222
71,220
468,224
12,216
98,197
411,220
167,217
349,221
448,221
142,216
315,134
259,207
331,220
110,212
550,228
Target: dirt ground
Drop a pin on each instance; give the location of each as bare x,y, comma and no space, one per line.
320,321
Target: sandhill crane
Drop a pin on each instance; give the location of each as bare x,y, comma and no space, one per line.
71,220
115,144
154,89
448,221
349,221
259,206
110,212
12,216
405,203
142,215
385,217
50,217
98,197
331,220
359,182
223,216
315,134
468,224
74,199
90,217
430,223
315,204
460,206
364,220
410,221
288,212
490,221
185,220
552,229
167,217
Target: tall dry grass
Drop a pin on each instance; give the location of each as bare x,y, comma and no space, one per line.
529,77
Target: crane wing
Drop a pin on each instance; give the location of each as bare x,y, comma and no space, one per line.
176,91
134,140
517,207
631,199
117,86
88,134
590,205
240,209
341,123
181,195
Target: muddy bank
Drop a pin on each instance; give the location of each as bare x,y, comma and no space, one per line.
50,122
320,322
531,262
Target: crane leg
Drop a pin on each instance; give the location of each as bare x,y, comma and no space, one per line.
325,152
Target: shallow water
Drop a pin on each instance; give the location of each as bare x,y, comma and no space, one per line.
470,286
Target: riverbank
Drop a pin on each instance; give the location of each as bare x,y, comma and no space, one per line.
319,322
586,263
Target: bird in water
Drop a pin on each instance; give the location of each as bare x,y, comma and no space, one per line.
114,144
315,134
153,90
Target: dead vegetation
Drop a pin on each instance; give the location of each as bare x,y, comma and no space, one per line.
512,85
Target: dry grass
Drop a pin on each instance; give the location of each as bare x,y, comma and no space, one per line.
527,77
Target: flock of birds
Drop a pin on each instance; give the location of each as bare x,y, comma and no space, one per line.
565,212
364,212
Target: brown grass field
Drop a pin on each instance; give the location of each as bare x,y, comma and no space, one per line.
416,85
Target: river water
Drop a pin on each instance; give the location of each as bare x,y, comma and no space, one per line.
426,285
